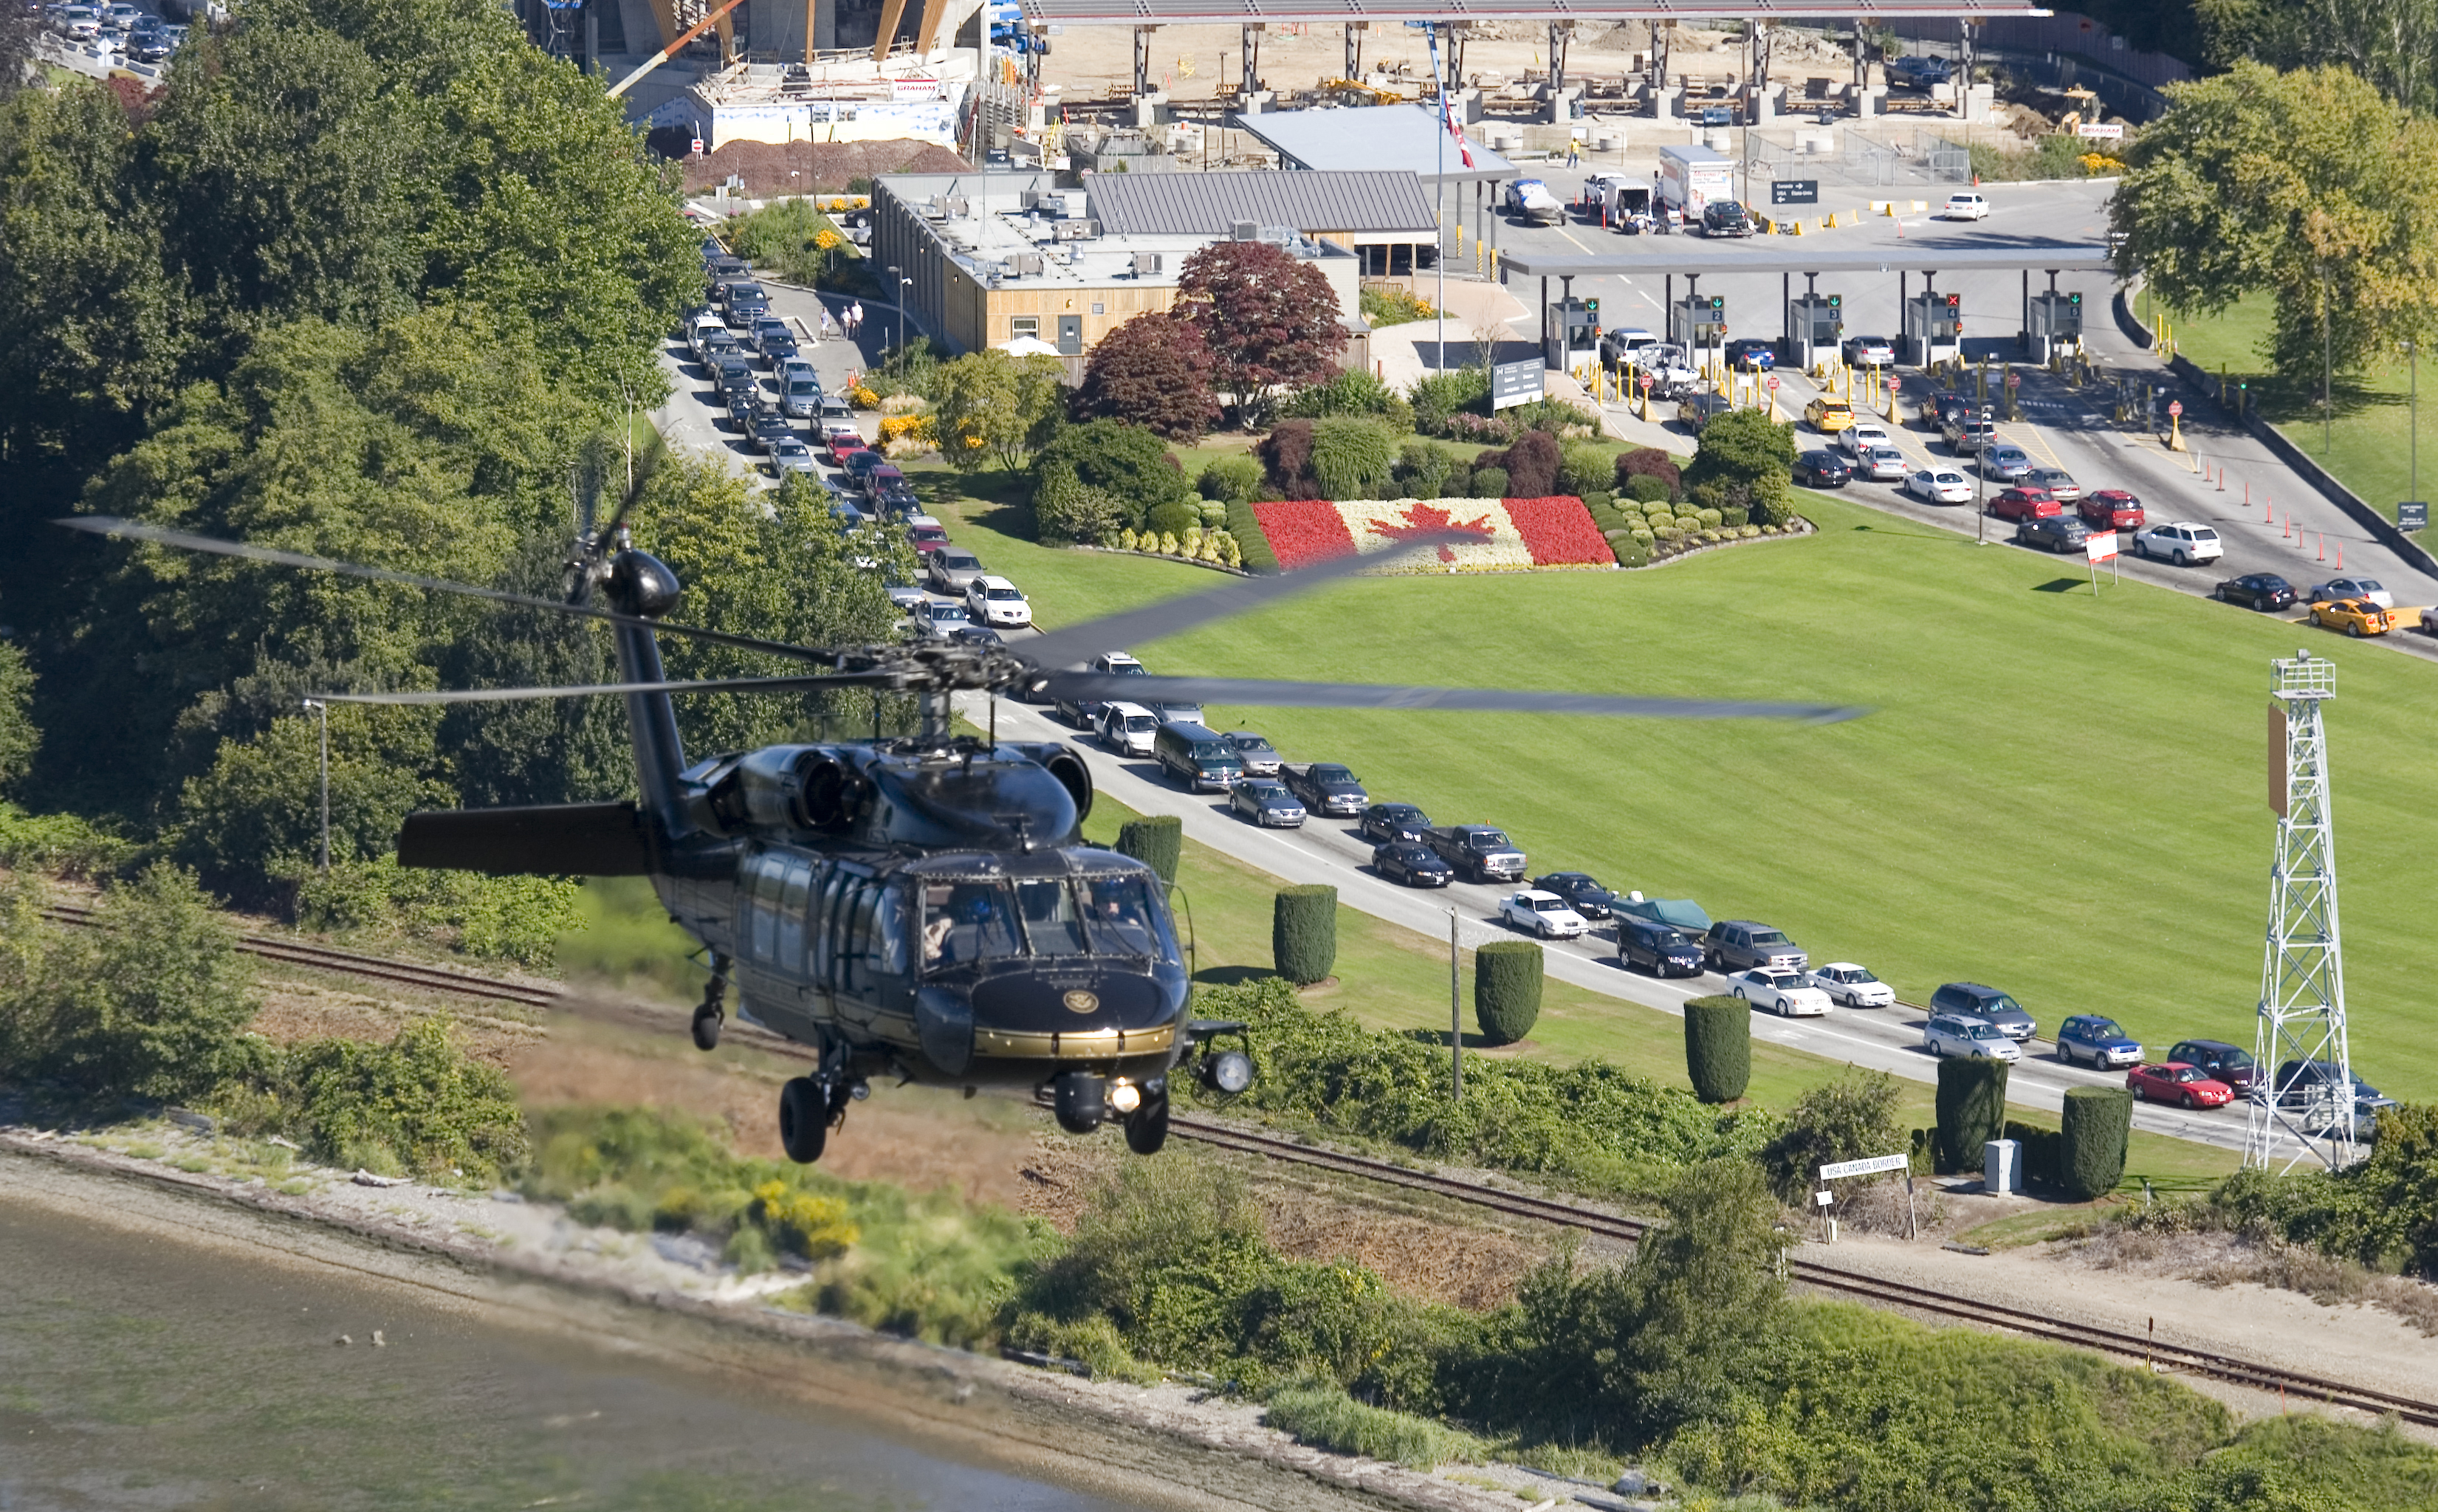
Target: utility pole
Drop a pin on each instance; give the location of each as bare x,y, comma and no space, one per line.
1455,1015
2413,427
2327,370
323,710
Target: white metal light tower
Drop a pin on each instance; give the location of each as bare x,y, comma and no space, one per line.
2302,976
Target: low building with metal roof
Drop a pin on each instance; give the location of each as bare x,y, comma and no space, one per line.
1383,216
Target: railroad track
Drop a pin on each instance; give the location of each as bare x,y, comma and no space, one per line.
1220,1135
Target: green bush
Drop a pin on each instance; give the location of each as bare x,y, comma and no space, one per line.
1246,527
1590,1122
1631,551
1158,842
1718,1047
1351,457
2042,1152
1174,519
1585,468
1647,462
62,844
1125,462
1441,395
1507,990
417,1105
1304,932
1845,1119
1971,1110
1383,306
1066,508
1228,480
1486,482
1351,392
520,919
1424,468
2098,1122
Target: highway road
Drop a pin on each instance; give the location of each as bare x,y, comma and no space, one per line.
2268,518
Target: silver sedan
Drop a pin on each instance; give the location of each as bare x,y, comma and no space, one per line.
1882,465
2059,481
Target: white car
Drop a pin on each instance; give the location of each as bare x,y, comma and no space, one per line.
1940,486
2184,542
1787,992
1965,208
1851,985
1530,200
1861,435
1882,465
993,601
2349,587
1977,1039
1127,728
1545,913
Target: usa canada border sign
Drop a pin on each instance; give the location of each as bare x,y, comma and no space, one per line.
1870,1166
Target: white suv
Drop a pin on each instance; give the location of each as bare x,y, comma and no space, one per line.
1977,1039
1966,208
1861,436
995,601
1128,729
2184,543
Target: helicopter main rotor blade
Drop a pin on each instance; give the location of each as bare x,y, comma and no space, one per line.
1080,642
1138,688
478,695
186,540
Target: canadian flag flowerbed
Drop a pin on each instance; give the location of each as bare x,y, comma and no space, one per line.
1514,534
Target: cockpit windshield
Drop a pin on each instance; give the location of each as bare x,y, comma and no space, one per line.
964,923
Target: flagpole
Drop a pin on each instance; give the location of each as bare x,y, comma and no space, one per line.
1439,230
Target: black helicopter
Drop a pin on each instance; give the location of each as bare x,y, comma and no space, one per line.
919,906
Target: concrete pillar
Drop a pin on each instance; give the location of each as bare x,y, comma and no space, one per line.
1664,103
1150,109
1870,102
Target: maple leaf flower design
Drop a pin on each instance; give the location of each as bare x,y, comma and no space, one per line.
1426,520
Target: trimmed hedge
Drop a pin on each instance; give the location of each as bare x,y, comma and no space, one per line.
1718,1047
1246,528
2090,1158
1507,990
1971,1111
1158,842
2044,1154
1303,933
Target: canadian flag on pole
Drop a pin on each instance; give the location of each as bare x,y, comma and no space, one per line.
1447,115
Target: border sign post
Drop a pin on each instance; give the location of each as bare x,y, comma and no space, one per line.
1868,1166
1512,383
2102,548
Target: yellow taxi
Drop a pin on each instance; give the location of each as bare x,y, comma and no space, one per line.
2355,617
1828,415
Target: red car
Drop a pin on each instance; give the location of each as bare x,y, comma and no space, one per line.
842,444
2174,1082
928,538
2111,509
2025,503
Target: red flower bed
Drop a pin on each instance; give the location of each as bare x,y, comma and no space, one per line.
1560,532
1303,531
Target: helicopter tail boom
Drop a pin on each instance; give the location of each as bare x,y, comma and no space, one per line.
561,839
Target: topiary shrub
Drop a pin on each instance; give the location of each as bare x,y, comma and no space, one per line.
1158,842
1585,470
1174,518
1645,489
1533,465
1228,480
1507,990
1351,457
1425,468
1285,455
2097,1124
1971,1111
1487,483
1647,462
1303,933
1631,549
2043,1153
1245,528
1718,1047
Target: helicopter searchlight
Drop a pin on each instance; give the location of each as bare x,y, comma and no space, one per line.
917,907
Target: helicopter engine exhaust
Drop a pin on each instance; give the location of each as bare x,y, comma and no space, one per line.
1081,1099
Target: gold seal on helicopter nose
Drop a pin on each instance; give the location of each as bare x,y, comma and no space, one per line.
1080,1001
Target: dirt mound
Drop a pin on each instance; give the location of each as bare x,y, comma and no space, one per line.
771,168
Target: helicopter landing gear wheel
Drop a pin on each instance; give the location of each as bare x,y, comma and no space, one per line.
709,1014
803,1120
1147,1126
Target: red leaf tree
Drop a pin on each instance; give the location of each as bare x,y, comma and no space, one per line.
1269,318
1154,372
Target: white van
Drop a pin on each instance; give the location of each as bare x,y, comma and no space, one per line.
1128,729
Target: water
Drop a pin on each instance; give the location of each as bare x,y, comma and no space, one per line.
136,1373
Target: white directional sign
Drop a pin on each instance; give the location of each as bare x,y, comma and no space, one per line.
1870,1167
2101,547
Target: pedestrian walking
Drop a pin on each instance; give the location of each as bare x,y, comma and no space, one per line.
855,318
1574,154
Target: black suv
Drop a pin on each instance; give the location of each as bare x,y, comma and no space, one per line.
2056,533
2258,590
1725,217
1662,950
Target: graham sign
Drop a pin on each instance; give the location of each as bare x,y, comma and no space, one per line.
1515,383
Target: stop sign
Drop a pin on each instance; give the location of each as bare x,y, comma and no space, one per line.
697,147
1772,380
2176,408
1894,383
1648,381
2014,380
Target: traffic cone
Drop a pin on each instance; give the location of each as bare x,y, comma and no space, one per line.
2221,477
2323,546
2288,533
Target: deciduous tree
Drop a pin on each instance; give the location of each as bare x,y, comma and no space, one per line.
988,407
1154,372
1268,317
2311,187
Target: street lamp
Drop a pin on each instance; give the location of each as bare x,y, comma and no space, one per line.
323,711
2412,428
897,292
1981,488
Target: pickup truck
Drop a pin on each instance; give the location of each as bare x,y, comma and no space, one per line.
1327,788
1479,851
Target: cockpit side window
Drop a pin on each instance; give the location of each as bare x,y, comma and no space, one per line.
1126,918
1050,925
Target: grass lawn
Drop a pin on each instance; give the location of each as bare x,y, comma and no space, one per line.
2059,796
2367,447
